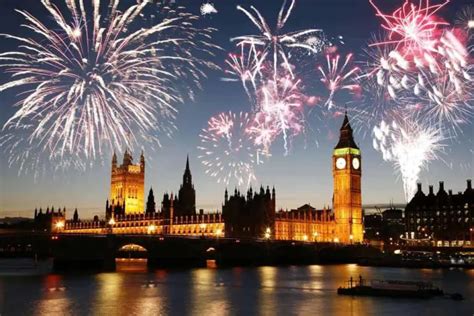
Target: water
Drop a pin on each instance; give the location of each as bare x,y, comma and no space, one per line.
294,290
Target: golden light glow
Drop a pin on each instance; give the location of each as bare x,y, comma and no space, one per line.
151,229
267,235
336,240
202,226
112,221
351,237
218,232
59,224
305,237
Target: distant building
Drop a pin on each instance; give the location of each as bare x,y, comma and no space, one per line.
49,221
384,226
443,219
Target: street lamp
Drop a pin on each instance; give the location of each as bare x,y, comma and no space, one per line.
305,237
112,221
351,238
218,232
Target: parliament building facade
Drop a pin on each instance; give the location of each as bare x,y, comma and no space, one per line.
252,214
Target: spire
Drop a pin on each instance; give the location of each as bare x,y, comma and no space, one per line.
187,177
346,139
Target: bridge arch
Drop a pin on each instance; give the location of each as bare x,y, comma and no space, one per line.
131,250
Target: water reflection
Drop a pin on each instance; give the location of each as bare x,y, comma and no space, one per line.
297,290
55,299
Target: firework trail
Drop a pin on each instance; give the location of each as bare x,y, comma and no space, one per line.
409,147
277,45
246,67
101,76
338,77
228,150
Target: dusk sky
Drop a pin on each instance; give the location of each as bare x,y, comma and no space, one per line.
302,176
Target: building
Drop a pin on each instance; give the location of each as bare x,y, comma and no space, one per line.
306,224
347,201
254,215
250,215
127,186
185,202
51,220
443,219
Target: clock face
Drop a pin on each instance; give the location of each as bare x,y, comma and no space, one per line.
340,163
356,163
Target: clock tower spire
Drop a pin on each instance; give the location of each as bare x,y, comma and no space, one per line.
347,203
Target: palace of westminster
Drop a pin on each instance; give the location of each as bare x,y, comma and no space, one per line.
244,215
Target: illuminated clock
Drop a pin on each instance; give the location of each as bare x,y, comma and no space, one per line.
356,163
340,163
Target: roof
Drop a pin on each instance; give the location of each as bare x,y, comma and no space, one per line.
346,140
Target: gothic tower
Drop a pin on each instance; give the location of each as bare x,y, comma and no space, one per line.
127,184
347,204
187,195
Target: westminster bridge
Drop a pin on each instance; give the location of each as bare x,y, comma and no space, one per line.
99,251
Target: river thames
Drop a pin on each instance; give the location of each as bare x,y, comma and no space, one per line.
291,290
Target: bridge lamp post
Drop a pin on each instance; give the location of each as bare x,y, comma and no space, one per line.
315,236
351,238
202,227
268,233
151,229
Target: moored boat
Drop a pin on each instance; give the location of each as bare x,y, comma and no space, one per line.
390,288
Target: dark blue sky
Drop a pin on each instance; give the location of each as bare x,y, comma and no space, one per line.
303,176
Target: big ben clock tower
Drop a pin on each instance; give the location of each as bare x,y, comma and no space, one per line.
347,204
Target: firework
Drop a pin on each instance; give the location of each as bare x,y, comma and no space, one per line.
277,45
280,111
337,78
96,81
465,19
208,8
247,68
228,150
410,147
411,26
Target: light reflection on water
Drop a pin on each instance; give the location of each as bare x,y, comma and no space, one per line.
293,290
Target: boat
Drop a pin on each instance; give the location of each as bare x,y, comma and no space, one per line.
389,288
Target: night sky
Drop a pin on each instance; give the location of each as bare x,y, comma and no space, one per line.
302,176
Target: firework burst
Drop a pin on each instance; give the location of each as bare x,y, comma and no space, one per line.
277,45
100,77
228,149
410,147
338,77
411,26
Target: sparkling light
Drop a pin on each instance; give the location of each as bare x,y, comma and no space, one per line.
100,78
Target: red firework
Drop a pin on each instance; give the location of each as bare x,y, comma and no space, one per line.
415,27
